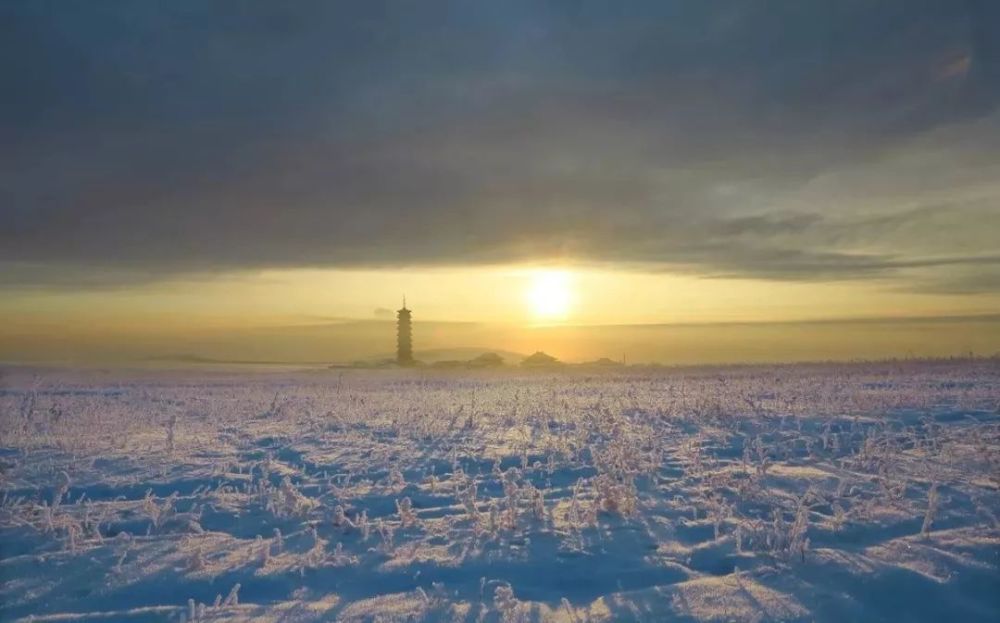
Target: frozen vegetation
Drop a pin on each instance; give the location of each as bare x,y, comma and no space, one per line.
854,492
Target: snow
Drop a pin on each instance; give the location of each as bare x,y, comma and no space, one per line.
867,491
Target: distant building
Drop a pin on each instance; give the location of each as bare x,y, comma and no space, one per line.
404,337
540,359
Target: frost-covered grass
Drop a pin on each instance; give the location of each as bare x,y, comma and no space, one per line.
810,492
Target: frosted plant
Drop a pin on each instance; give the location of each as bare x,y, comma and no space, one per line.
575,511
158,513
396,479
278,541
620,498
565,605
386,532
763,461
504,600
170,426
233,598
509,516
47,518
89,526
592,512
263,550
932,507
775,540
839,516
340,558
265,467
127,539
341,519
184,521
894,492
407,516
423,595
537,503
274,410
364,525
438,593
606,493
719,512
293,502
467,497
494,524
317,552
196,562
61,490
72,530
841,488
797,540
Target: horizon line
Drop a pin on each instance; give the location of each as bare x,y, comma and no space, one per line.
981,317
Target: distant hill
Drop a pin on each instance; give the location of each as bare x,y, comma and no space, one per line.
190,358
427,356
540,359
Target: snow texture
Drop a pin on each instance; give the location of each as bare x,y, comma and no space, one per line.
827,492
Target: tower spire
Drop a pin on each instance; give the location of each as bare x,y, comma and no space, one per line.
404,336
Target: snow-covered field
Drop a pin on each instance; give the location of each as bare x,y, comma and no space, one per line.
813,492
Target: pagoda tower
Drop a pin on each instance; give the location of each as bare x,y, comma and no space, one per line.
404,337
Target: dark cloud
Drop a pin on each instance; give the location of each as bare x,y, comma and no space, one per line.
980,279
784,140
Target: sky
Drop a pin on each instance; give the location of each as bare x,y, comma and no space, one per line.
179,169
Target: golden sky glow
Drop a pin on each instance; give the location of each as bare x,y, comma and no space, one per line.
501,307
523,294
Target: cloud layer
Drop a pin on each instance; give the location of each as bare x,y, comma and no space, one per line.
778,140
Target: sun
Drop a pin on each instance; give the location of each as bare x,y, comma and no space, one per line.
550,294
